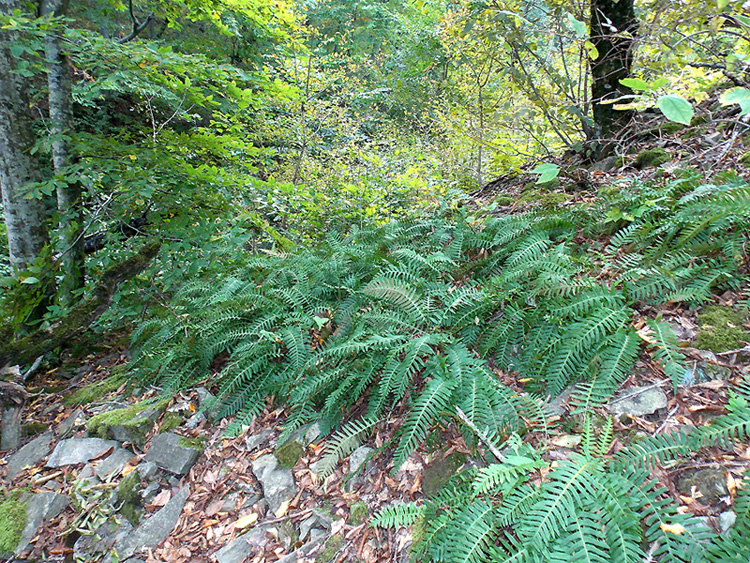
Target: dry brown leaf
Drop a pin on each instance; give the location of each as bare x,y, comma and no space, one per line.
161,499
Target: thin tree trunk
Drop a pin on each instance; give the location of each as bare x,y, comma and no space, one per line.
613,29
69,205
24,217
480,108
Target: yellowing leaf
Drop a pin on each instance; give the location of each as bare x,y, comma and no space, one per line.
282,509
246,521
675,529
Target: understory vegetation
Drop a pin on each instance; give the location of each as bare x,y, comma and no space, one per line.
425,311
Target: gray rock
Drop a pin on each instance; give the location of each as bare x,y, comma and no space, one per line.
557,406
277,481
309,525
204,396
67,426
262,438
726,521
195,420
167,453
638,401
247,544
312,433
713,371
96,547
115,463
79,450
358,457
41,507
29,455
155,529
150,492
604,165
147,470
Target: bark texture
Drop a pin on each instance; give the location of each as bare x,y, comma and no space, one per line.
25,219
69,201
613,30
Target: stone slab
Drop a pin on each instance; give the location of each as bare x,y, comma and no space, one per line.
277,481
79,450
166,452
29,455
41,507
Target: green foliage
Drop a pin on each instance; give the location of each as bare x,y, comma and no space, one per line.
587,508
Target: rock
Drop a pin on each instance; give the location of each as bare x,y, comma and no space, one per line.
604,165
289,453
557,405
97,546
726,521
155,529
135,429
170,452
308,525
262,438
638,401
115,463
29,455
79,450
277,482
67,426
247,544
710,483
147,470
312,433
195,420
711,371
41,507
150,492
303,552
358,458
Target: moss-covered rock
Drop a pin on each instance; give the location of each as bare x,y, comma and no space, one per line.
197,443
504,200
12,522
670,128
651,158
170,421
33,428
289,453
720,329
94,391
128,424
332,547
129,498
358,512
438,473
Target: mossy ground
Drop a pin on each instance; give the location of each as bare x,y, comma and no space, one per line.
129,497
332,547
94,391
721,329
358,512
504,200
12,522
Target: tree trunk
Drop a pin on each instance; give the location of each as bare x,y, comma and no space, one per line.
69,204
24,217
613,29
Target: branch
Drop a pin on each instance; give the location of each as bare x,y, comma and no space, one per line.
27,348
137,27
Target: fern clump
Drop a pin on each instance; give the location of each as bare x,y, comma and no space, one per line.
420,310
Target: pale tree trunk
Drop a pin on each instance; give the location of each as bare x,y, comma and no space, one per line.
61,125
24,218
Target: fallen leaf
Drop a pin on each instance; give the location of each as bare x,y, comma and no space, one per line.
162,498
246,521
567,441
282,509
214,507
675,529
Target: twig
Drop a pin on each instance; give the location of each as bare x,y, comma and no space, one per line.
486,441
33,368
642,390
663,424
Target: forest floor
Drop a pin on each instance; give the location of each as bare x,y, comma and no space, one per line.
225,495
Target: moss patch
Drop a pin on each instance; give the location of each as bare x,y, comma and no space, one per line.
358,512
198,443
651,158
289,453
12,522
551,201
438,473
33,428
670,128
170,421
94,391
332,547
129,498
720,329
504,200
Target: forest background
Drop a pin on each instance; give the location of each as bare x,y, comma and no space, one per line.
276,198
